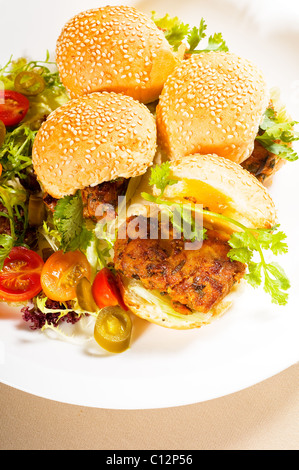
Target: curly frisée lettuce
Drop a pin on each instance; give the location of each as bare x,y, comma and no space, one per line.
46,315
14,213
53,95
16,151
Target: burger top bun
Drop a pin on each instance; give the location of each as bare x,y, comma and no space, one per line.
213,103
220,186
114,48
93,139
223,187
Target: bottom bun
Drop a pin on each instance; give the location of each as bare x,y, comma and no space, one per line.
154,308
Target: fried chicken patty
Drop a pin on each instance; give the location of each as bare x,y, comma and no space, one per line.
262,163
102,200
195,280
98,201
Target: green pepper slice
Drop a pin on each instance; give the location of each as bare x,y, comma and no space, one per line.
36,211
85,297
29,83
2,133
113,330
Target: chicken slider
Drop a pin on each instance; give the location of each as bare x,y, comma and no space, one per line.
114,48
178,287
213,103
95,144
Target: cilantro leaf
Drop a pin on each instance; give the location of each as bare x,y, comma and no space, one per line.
245,244
180,215
272,240
276,283
242,254
69,221
176,35
196,35
276,133
176,32
216,43
254,278
160,177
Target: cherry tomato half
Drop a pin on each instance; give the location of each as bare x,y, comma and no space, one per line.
20,276
105,290
61,274
14,108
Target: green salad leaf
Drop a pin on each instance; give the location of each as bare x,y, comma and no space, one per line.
69,222
13,208
276,134
16,152
176,32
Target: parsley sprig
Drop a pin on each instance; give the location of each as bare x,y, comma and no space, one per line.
176,32
276,134
246,244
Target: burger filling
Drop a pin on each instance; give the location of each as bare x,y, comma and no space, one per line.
98,201
261,163
102,200
195,280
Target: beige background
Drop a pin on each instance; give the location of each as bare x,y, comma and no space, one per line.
265,416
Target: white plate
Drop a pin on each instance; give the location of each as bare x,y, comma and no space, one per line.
255,339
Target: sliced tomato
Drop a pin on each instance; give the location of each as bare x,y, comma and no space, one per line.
14,108
61,274
106,291
20,276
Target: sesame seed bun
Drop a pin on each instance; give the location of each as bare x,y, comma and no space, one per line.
246,199
243,198
218,184
114,48
213,103
147,308
93,139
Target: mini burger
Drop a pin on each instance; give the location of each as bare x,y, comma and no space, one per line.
215,103
115,48
179,288
95,144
